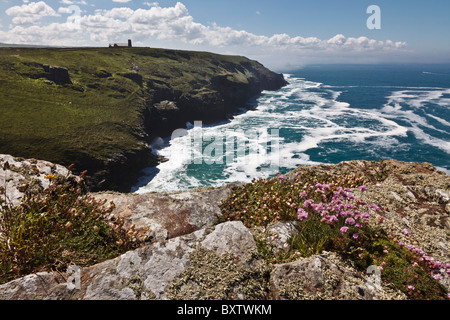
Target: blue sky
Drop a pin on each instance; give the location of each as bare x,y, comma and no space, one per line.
281,34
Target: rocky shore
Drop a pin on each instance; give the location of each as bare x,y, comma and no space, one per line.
189,255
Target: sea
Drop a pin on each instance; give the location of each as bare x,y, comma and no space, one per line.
326,114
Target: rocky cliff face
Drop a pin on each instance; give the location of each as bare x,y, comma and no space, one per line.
187,255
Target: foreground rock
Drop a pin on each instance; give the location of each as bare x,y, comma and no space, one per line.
158,217
188,256
221,263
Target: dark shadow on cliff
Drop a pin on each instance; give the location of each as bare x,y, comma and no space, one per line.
147,176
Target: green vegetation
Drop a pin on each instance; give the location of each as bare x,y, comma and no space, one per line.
56,228
330,218
101,112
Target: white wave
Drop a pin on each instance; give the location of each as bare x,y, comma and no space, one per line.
310,109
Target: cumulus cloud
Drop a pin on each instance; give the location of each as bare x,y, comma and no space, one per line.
174,24
30,13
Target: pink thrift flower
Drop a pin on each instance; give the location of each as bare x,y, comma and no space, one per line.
350,221
406,232
303,194
302,214
411,288
362,189
344,230
355,236
437,276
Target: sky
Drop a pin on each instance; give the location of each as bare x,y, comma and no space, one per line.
280,34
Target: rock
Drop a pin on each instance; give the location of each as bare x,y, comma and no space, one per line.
442,196
58,75
19,176
324,277
147,272
277,235
103,74
39,286
232,237
187,256
158,217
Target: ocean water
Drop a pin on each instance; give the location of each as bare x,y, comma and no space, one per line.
327,114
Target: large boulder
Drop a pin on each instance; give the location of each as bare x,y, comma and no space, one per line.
159,216
57,74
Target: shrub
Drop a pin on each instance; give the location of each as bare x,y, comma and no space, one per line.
60,226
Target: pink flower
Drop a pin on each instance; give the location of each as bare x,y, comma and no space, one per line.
344,230
303,194
355,236
411,288
302,214
362,189
350,221
405,232
437,276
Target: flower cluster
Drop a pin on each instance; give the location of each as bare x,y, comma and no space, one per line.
338,207
437,268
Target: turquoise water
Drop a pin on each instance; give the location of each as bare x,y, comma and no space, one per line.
327,114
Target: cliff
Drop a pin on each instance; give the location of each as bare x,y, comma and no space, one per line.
192,248
99,108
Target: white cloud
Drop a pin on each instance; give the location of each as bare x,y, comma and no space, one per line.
30,13
151,4
176,25
69,2
121,1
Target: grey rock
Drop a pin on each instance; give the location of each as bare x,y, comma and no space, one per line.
19,176
324,277
232,237
140,274
158,217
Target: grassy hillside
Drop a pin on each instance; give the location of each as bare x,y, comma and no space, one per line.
101,112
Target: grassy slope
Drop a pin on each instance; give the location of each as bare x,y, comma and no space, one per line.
96,116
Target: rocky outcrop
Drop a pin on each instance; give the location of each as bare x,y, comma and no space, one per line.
217,263
325,277
58,75
187,255
158,217
19,176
